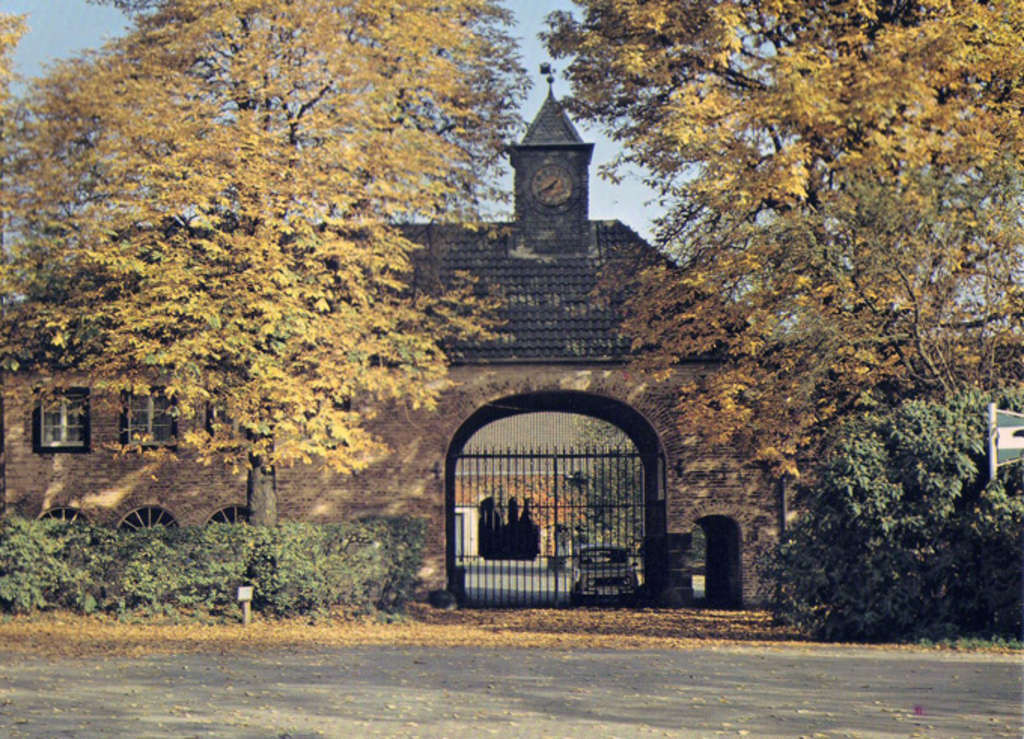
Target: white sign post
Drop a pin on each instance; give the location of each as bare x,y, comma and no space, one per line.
1005,438
245,598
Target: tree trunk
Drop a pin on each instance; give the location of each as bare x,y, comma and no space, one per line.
261,493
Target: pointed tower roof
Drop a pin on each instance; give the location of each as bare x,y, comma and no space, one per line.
551,126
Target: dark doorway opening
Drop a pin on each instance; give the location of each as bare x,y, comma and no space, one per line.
722,573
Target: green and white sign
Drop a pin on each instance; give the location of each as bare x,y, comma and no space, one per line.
1006,437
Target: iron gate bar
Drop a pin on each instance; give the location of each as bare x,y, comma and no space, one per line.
573,502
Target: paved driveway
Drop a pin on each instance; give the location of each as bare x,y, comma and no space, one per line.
496,583
792,691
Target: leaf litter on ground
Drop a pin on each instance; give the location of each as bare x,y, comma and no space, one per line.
72,635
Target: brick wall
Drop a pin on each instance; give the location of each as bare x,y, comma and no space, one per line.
106,485
700,481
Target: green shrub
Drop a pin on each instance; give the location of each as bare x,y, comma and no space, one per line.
402,542
212,556
91,555
296,568
285,566
372,564
903,536
32,573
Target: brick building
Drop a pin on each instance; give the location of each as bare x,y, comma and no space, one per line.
559,354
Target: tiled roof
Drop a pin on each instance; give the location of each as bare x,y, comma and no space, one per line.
551,126
550,309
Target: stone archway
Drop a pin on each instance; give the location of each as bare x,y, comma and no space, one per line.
546,524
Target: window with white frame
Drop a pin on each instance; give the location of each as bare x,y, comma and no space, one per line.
62,422
149,419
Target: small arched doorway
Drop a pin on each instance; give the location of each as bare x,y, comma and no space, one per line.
554,499
722,573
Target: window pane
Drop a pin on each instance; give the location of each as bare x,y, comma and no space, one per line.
150,419
63,422
162,429
140,406
138,417
51,431
74,420
74,434
163,422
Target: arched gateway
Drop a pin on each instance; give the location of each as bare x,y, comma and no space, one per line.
564,506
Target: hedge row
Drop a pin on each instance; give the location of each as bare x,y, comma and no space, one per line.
903,536
295,568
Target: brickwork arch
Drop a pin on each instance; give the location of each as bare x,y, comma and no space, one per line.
736,513
752,521
558,399
602,407
476,389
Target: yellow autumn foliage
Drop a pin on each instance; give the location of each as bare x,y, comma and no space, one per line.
12,27
212,204
844,184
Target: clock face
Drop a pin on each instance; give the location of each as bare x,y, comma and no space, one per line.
551,185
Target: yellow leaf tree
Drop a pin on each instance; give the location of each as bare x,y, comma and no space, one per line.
211,206
844,198
12,27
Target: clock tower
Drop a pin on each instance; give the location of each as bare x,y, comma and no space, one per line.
552,168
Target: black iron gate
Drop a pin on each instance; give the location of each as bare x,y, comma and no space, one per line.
547,528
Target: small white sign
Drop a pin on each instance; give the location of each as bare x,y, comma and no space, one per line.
245,593
1005,438
1010,438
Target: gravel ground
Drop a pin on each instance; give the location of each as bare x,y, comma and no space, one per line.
454,691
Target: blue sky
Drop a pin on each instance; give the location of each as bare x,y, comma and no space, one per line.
59,28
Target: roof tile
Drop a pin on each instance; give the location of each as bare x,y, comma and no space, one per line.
551,310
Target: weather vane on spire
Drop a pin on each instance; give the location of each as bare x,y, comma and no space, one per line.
546,69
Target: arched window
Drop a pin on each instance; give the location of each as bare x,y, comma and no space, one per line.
65,513
147,517
230,514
